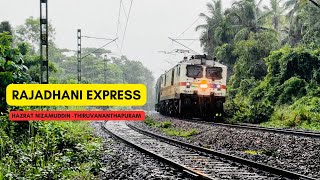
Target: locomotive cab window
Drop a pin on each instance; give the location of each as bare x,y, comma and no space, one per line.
194,71
214,73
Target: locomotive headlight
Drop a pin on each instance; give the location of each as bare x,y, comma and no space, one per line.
218,86
188,84
203,86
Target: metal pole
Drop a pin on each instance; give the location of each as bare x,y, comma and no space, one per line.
105,68
79,55
44,28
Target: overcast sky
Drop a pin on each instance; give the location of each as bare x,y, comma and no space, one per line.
151,22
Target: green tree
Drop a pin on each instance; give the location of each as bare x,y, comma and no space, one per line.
276,12
30,31
246,17
12,67
212,31
6,27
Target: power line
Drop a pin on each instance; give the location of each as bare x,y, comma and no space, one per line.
184,45
189,27
119,15
169,62
315,3
125,30
99,48
187,39
89,37
124,11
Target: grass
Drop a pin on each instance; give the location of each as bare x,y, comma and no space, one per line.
251,152
179,132
299,118
258,152
169,129
314,126
48,150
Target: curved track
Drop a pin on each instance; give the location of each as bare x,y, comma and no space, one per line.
199,162
260,128
304,133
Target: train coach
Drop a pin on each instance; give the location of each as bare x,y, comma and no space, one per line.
195,87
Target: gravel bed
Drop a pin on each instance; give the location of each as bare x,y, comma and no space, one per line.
124,162
215,167
296,154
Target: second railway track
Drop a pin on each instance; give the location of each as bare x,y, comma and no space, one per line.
303,133
198,162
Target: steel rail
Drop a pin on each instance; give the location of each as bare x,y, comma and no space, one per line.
195,174
260,128
263,167
274,130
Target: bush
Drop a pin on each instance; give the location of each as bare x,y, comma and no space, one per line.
47,150
304,113
291,89
254,113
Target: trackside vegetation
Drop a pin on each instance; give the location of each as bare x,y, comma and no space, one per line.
52,150
273,58
40,150
167,128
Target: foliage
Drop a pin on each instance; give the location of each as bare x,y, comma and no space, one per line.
40,150
30,31
51,150
293,77
304,113
5,27
116,71
180,132
151,122
12,68
250,63
272,53
168,128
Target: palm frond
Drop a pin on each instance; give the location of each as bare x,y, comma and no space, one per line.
202,27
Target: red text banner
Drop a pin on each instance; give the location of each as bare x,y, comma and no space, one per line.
77,115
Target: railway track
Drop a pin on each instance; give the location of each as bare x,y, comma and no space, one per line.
303,133
260,128
198,162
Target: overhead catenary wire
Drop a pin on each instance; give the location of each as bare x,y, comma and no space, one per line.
99,48
124,10
189,27
125,30
89,37
315,3
183,45
187,39
119,16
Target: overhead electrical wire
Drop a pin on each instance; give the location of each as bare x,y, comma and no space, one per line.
119,16
189,27
89,37
125,30
99,48
124,10
315,3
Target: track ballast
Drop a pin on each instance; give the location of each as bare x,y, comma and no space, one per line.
198,162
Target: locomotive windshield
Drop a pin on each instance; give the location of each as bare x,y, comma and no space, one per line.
194,71
214,73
